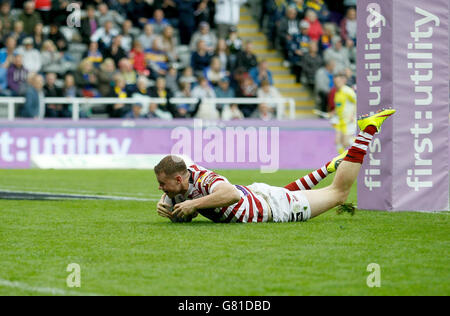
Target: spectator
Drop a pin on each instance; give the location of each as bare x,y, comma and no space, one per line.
170,43
160,90
106,76
246,59
222,53
52,91
300,6
6,17
89,24
169,7
319,7
57,37
137,58
52,60
142,93
94,54
289,26
31,57
207,109
264,112
29,17
158,21
155,112
157,59
4,92
267,91
7,53
339,54
135,113
261,73
310,64
106,15
298,48
38,36
147,37
329,31
34,106
205,11
87,79
184,92
315,28
70,90
234,42
227,16
324,83
223,90
348,26
186,9
201,58
18,32
214,72
128,74
43,7
351,50
248,89
118,110
205,35
188,77
115,52
17,76
172,79
127,37
104,36
232,112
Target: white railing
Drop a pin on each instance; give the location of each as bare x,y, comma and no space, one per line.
88,102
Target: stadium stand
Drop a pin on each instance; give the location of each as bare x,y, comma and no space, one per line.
118,43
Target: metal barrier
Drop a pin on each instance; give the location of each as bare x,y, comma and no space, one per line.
88,102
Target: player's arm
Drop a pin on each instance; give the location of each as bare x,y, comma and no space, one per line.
224,194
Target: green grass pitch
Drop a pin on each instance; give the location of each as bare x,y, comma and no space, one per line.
125,248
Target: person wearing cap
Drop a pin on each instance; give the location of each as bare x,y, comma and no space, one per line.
204,34
32,60
223,90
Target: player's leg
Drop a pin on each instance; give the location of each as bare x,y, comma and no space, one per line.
336,194
311,180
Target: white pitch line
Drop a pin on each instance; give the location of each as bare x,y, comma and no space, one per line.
42,290
72,191
118,198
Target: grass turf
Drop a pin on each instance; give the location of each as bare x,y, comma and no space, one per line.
124,248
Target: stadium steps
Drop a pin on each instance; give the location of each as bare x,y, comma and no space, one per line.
284,81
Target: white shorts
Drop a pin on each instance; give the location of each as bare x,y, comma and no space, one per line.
287,206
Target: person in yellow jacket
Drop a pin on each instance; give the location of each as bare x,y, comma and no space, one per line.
345,113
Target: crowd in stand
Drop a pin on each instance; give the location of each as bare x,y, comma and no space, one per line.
165,48
317,43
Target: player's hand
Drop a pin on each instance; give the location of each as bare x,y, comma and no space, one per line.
163,209
184,209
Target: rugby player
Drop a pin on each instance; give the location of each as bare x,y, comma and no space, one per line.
189,191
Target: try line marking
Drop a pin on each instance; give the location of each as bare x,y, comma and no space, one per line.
32,195
42,290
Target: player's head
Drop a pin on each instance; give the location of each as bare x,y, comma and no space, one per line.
172,175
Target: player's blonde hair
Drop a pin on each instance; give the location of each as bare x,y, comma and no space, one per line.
171,165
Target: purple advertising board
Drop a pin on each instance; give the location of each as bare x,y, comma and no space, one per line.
216,145
403,61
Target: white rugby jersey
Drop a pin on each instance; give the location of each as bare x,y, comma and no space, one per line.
250,208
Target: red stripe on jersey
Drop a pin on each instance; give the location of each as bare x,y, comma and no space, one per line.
320,172
194,167
362,142
289,198
250,210
313,179
258,205
234,211
305,184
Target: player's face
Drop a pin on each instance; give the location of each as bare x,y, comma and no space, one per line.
171,185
